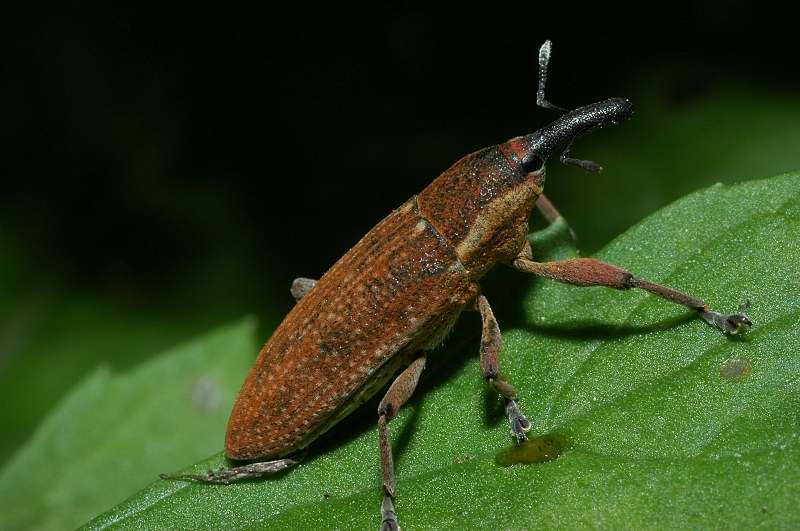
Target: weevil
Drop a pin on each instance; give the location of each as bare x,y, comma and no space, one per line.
393,297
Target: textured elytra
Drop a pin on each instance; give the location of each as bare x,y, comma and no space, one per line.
397,291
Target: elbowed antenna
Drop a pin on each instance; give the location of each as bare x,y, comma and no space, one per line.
534,149
545,50
562,132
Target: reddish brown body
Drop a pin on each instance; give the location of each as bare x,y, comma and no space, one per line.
396,292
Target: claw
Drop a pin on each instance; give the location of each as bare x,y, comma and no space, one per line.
519,424
729,324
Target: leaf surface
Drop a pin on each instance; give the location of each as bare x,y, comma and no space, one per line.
115,432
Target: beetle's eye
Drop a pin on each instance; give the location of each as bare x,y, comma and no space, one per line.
532,163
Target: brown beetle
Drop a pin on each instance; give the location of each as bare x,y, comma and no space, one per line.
395,295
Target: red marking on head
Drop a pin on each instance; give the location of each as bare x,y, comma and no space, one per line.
517,147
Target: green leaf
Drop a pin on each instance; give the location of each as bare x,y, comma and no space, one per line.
665,422
114,433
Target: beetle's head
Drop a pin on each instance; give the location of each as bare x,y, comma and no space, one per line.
532,151
482,203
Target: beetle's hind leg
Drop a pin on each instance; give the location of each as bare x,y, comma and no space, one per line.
397,395
490,369
223,476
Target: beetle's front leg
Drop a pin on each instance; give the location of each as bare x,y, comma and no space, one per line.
591,272
551,214
397,395
490,369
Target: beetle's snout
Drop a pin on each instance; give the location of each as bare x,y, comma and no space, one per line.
533,150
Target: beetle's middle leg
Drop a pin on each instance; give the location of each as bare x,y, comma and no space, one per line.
397,395
591,272
490,369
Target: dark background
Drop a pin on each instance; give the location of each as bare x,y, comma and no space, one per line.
167,170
